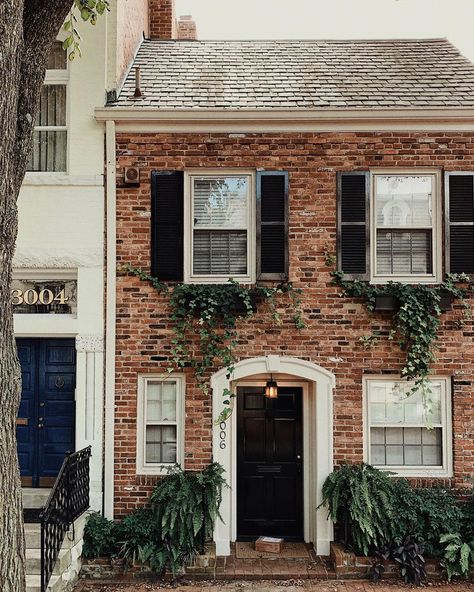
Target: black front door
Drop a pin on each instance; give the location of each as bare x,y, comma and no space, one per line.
269,464
45,423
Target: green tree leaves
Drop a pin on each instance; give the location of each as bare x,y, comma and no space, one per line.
89,11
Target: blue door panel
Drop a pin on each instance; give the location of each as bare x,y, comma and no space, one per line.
47,406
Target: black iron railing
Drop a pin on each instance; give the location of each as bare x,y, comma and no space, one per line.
69,498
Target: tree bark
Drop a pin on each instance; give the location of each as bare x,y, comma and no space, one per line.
28,29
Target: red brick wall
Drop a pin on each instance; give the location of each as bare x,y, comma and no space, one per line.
186,28
162,19
132,24
334,324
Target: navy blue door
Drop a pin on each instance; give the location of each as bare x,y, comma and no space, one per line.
45,424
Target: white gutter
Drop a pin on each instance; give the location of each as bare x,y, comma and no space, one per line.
146,119
110,320
138,112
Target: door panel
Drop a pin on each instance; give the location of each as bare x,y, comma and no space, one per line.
269,464
49,367
27,419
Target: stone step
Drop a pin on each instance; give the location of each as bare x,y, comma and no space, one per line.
33,536
33,584
34,497
33,561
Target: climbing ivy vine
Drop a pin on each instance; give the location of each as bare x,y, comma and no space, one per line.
211,312
415,323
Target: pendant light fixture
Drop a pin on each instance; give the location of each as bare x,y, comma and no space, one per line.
271,388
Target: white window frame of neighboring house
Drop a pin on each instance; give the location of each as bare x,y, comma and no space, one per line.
147,468
57,77
189,276
437,250
441,471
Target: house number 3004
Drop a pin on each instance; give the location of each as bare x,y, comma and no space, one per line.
31,297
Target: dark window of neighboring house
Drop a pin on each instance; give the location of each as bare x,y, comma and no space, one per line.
50,134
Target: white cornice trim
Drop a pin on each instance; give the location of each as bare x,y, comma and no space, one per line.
146,119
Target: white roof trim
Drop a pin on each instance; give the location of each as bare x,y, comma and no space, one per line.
254,120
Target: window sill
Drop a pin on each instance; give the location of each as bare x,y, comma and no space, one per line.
420,473
406,279
61,178
156,469
212,279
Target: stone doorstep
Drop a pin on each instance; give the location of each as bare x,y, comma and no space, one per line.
33,584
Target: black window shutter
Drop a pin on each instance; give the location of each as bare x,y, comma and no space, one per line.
272,225
167,202
459,221
353,232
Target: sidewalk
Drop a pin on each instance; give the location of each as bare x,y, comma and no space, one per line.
269,586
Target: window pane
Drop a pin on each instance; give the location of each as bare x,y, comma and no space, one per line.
161,401
169,401
49,152
390,402
57,59
401,253
404,201
221,202
220,252
394,455
161,444
52,105
406,447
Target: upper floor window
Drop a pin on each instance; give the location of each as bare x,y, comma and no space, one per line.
399,435
50,133
210,226
389,226
220,239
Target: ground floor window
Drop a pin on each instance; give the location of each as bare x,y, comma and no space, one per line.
398,434
160,441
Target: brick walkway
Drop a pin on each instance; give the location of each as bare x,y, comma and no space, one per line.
270,586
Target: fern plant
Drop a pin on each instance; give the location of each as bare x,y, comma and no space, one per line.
186,507
360,499
458,556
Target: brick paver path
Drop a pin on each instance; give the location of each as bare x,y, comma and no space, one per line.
269,586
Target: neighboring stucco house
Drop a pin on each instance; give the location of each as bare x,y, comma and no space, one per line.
364,149
58,288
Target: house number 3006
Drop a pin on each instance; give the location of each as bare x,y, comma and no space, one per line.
31,297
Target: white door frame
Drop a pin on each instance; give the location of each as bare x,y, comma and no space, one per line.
318,450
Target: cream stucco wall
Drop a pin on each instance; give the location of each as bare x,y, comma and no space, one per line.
61,232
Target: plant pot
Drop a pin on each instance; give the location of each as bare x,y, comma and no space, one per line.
239,306
446,299
386,302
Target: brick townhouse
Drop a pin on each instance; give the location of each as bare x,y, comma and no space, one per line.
362,149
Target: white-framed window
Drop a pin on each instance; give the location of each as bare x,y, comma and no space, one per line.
50,133
405,226
160,423
219,226
397,435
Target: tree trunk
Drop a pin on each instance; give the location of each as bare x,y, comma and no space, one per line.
27,32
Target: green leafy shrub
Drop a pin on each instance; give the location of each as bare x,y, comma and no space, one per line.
425,513
168,533
186,505
467,526
458,556
360,498
409,554
139,535
101,537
